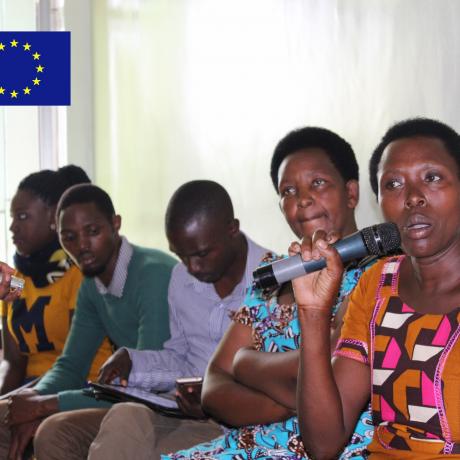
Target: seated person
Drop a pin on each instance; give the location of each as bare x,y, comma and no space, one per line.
399,344
35,326
217,261
123,296
251,380
315,175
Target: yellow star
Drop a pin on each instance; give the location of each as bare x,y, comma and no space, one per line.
2,90
26,47
14,94
36,56
36,81
40,68
14,43
26,90
2,47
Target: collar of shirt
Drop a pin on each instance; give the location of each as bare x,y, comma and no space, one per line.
208,288
120,273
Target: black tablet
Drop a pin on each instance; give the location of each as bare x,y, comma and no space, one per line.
160,402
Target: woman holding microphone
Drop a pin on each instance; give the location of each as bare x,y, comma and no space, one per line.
399,343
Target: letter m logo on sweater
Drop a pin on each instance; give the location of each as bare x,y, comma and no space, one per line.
25,320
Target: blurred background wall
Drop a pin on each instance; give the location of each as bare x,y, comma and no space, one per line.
166,91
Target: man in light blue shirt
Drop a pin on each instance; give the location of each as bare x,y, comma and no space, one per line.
199,316
205,289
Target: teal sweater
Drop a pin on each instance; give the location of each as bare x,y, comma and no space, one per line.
139,319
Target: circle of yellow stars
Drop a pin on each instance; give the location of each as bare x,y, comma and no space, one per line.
39,69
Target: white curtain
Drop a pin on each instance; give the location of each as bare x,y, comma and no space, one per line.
188,89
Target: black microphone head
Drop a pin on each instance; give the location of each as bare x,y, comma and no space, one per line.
264,277
382,238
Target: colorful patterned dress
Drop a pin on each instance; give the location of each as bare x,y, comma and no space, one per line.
275,329
415,363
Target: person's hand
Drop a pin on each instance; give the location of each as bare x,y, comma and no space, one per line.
317,291
6,293
28,405
21,435
118,365
188,399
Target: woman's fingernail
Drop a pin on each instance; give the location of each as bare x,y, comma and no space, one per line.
322,244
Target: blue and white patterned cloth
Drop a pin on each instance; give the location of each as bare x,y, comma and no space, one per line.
276,329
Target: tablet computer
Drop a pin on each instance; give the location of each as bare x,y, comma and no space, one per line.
160,402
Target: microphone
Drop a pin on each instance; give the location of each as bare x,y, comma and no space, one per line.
377,240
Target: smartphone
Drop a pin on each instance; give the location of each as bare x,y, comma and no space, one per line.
188,396
185,382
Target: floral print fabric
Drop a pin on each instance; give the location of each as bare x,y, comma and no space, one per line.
275,329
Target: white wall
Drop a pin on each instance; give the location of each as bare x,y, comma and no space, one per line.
165,91
80,115
34,138
205,88
18,128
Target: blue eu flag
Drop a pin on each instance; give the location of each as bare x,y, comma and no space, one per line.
34,68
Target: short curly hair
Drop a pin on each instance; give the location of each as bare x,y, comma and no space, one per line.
87,193
195,198
337,149
414,127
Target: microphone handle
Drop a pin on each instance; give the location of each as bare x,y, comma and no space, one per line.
350,248
294,266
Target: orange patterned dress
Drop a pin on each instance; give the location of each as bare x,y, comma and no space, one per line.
415,363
